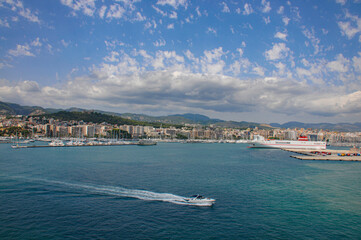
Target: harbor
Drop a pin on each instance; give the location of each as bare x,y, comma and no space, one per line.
352,154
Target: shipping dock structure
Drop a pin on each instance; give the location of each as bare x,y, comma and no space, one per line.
352,154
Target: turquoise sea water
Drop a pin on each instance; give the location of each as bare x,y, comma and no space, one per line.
126,192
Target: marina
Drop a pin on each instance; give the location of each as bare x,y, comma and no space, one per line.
81,144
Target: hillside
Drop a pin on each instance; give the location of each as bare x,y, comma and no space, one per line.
16,109
95,117
345,127
176,119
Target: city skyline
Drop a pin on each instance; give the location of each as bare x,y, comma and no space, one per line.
262,61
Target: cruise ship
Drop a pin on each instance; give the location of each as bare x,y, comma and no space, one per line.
302,143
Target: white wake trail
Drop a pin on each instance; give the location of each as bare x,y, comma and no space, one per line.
118,191
131,193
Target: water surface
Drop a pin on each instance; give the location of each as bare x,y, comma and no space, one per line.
127,192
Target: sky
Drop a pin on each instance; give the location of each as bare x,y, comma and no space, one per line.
263,61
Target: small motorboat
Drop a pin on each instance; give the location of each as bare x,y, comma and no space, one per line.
198,199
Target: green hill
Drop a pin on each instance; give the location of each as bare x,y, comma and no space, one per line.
96,117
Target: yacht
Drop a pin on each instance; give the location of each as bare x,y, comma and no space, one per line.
56,143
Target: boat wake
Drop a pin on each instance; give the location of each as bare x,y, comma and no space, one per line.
125,192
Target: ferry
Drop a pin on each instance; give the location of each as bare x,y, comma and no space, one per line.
302,143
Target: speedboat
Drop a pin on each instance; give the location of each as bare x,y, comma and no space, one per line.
198,199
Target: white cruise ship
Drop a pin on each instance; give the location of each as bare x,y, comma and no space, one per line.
302,143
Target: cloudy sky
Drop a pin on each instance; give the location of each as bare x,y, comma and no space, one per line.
263,61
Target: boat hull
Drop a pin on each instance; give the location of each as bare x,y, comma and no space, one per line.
200,202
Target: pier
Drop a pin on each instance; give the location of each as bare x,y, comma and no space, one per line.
352,155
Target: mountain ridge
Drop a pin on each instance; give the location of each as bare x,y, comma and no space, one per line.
186,118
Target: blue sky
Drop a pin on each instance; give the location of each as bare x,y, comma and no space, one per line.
263,61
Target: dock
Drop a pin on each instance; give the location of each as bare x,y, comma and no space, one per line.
351,155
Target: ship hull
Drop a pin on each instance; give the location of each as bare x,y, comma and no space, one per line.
289,144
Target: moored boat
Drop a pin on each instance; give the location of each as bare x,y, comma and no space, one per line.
147,143
302,143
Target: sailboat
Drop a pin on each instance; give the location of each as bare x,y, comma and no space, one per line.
16,141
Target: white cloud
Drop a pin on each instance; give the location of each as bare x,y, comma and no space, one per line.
352,27
305,62
4,23
357,62
267,20
159,43
314,40
225,8
281,68
337,104
176,91
102,11
49,48
151,26
115,11
247,9
278,51
139,17
342,2
165,81
212,62
3,65
282,36
170,26
174,3
173,15
211,30
259,71
240,50
339,65
18,7
86,6
280,10
266,6
113,44
158,10
301,72
36,43
113,57
214,54
189,55
65,43
161,60
21,50
198,12
285,20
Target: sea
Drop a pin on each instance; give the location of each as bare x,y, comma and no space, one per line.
130,192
